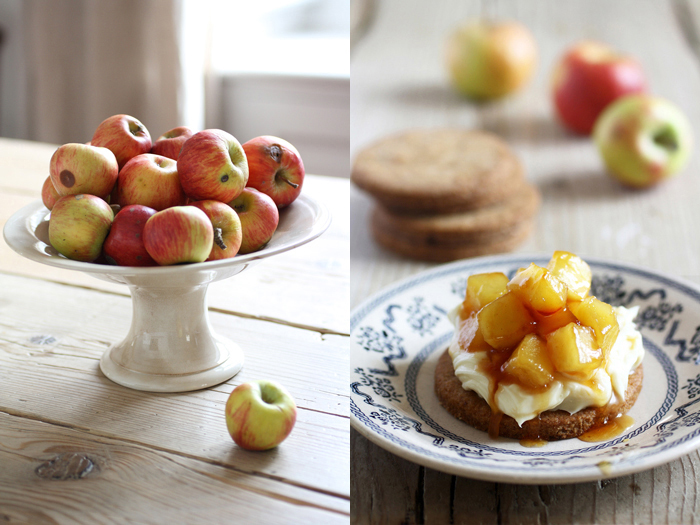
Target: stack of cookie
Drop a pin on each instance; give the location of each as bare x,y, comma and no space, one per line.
446,194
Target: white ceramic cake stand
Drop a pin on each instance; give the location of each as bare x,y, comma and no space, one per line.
171,346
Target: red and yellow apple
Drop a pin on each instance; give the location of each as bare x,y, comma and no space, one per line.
275,168
643,139
49,195
78,226
587,78
259,218
227,228
78,168
260,415
124,135
150,180
212,165
489,60
124,244
170,143
181,234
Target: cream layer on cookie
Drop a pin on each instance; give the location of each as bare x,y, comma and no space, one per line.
563,393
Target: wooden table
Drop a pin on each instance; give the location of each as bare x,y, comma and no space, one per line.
77,448
399,82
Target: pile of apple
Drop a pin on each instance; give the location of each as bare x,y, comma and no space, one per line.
185,198
642,139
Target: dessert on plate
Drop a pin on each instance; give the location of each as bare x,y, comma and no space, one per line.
536,357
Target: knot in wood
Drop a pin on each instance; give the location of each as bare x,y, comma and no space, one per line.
69,465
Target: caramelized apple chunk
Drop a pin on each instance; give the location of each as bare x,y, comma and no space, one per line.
505,321
539,289
470,336
548,323
573,272
574,351
601,317
484,288
530,364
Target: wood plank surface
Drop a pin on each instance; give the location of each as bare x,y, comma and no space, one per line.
399,82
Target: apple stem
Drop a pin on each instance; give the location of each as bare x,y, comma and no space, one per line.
219,239
293,185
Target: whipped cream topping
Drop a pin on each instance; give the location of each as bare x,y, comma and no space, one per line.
606,384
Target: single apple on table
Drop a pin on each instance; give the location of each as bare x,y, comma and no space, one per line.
274,168
212,165
259,219
170,143
488,60
78,226
150,180
227,228
181,234
124,135
260,415
79,168
49,195
643,139
124,244
587,78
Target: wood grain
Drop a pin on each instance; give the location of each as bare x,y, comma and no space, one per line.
399,82
79,325
132,483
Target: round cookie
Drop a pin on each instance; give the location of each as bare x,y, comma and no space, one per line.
437,170
465,227
499,242
552,425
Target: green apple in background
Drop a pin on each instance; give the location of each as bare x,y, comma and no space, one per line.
643,139
79,225
490,59
260,415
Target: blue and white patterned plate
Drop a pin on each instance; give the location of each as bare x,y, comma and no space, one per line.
398,335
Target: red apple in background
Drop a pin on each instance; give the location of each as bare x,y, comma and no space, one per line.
124,135
78,226
260,415
170,143
181,234
79,168
124,243
49,195
227,228
212,165
150,180
274,168
643,139
259,218
589,77
488,60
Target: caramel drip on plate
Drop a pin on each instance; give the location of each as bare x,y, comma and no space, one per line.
608,430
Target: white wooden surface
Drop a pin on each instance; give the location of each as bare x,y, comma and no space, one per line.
167,458
399,82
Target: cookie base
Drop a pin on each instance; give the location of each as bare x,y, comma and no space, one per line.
552,425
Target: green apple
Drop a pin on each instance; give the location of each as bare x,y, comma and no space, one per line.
489,60
82,168
260,415
643,139
79,225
